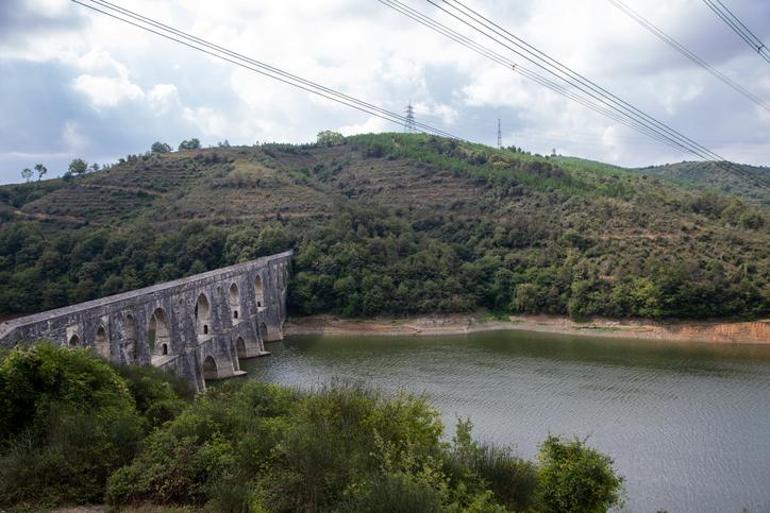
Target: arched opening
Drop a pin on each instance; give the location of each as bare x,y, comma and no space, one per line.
210,368
235,300
263,331
129,335
259,292
202,314
240,347
102,343
158,334
74,341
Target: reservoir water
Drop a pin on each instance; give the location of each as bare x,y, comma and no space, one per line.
688,425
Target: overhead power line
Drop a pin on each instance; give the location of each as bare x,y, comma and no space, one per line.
503,37
676,45
550,65
739,28
558,88
204,46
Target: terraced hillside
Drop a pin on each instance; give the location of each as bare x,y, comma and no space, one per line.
396,224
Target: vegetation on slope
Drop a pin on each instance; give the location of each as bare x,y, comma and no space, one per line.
750,183
79,431
392,224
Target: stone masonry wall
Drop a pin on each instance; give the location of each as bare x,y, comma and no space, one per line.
197,326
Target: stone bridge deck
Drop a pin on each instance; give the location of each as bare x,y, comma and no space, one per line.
198,326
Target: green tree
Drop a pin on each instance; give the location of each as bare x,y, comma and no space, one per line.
67,421
192,144
78,167
526,299
26,173
576,479
329,138
160,147
41,171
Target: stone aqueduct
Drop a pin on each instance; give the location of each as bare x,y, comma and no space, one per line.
199,326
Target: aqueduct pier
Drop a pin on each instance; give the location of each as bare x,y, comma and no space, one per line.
199,326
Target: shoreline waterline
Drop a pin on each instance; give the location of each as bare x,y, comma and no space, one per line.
714,332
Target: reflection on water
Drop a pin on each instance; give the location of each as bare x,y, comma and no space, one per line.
687,424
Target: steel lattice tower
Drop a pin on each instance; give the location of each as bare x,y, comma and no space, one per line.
409,125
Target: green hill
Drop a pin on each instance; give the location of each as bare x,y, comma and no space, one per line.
750,183
393,224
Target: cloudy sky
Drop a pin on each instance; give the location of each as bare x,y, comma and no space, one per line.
74,83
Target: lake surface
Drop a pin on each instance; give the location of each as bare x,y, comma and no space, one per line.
687,424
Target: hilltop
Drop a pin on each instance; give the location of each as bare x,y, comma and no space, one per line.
396,224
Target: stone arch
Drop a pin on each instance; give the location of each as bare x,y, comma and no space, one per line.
130,340
240,348
234,297
73,341
263,331
209,367
259,292
158,334
102,342
203,315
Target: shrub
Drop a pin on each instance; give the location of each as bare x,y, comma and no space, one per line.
68,421
576,479
160,396
396,493
34,380
511,480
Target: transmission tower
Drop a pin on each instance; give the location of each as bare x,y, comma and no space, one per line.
499,135
409,124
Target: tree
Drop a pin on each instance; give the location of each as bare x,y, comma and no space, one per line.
576,479
78,167
70,413
159,147
192,144
26,173
41,171
329,138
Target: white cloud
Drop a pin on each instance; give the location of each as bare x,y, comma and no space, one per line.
107,91
377,55
111,86
208,120
163,97
372,124
72,138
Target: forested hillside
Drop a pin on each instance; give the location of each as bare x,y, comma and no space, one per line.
393,224
750,183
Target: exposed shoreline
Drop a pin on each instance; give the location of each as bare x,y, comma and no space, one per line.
715,332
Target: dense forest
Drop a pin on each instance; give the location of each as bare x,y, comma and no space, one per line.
75,430
393,224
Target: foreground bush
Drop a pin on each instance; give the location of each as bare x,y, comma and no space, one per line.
344,449
159,395
576,479
77,431
67,421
